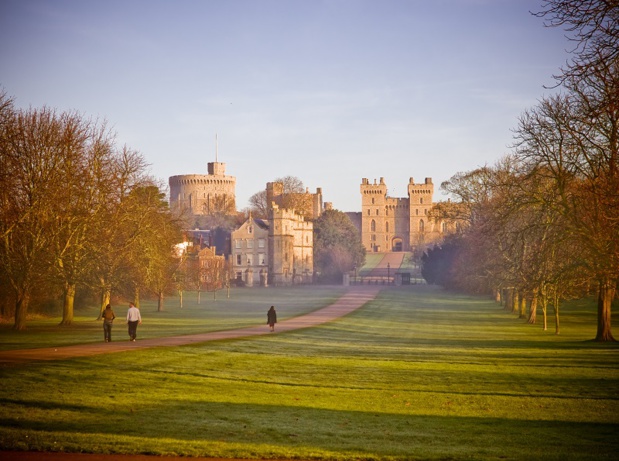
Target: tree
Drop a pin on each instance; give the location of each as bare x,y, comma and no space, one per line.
119,226
291,195
35,166
79,208
258,205
579,137
337,245
153,257
594,29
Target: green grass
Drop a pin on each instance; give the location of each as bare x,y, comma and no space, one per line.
416,374
244,307
371,261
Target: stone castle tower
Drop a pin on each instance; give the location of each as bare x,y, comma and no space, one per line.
203,195
291,247
398,224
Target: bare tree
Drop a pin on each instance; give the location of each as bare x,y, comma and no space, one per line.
593,27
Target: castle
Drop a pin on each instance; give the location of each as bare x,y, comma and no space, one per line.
204,195
391,224
279,250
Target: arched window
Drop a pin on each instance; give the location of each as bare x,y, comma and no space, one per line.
421,226
386,227
373,226
421,200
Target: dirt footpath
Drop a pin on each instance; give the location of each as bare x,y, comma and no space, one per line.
352,300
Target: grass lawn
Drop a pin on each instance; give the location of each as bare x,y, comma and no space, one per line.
417,374
244,307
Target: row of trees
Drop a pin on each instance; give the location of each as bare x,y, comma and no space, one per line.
76,211
544,221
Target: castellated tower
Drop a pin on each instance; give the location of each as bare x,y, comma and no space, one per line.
203,195
420,200
291,247
398,224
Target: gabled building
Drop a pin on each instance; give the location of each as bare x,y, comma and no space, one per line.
250,252
280,250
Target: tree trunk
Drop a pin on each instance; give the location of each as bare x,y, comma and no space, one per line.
160,302
545,312
69,300
497,296
556,309
533,308
21,309
105,300
509,292
199,296
606,295
523,308
180,297
136,297
515,302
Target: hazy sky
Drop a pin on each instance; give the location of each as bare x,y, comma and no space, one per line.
330,91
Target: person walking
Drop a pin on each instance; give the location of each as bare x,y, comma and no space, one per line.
108,318
272,318
133,320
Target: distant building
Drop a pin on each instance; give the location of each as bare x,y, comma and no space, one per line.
280,250
390,224
250,252
203,195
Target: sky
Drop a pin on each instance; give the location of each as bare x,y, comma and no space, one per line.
329,91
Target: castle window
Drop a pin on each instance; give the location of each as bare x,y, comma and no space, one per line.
237,243
372,200
250,229
377,212
262,259
250,243
373,238
261,243
386,227
421,200
238,259
417,212
421,226
373,226
249,259
368,212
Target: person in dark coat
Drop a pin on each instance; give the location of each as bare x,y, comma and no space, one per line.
272,318
108,319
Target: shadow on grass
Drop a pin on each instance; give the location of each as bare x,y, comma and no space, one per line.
365,433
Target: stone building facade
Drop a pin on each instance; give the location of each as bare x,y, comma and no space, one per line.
250,251
279,250
202,195
391,224
291,247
